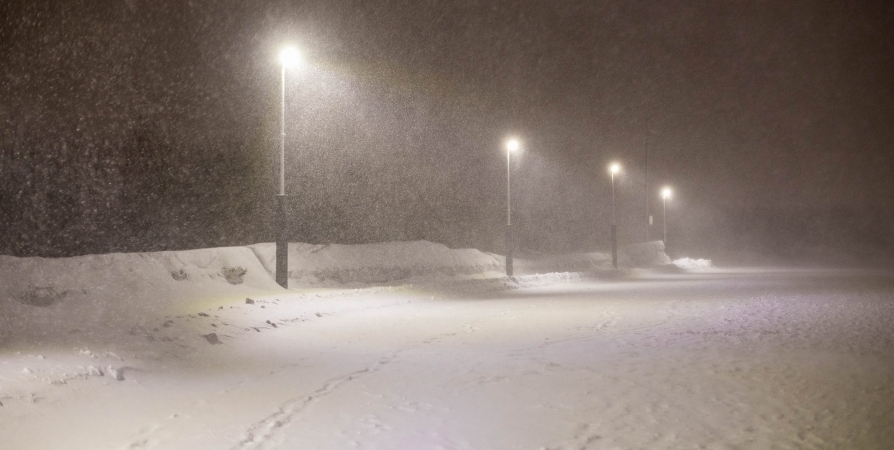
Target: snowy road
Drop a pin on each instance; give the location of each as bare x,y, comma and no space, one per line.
738,359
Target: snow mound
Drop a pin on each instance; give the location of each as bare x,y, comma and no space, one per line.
575,262
377,263
689,263
86,295
646,254
89,299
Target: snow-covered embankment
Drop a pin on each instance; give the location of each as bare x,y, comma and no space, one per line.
96,294
46,300
378,263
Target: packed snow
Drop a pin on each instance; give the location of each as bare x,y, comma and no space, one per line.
414,345
689,263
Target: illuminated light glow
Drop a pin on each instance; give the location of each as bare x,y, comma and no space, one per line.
614,168
666,193
512,145
290,57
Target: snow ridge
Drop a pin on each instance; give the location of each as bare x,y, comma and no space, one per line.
377,263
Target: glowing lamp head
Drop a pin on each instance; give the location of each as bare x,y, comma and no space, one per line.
512,145
290,57
614,168
666,193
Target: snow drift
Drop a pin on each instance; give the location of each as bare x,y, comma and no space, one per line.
645,254
85,294
378,263
693,264
92,296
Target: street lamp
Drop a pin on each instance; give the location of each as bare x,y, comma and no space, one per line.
614,169
288,57
665,194
512,146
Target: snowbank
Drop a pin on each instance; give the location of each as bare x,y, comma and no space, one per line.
576,262
377,263
84,295
646,254
89,298
94,296
689,263
391,261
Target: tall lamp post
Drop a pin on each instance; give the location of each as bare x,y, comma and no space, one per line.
288,57
512,146
614,169
665,194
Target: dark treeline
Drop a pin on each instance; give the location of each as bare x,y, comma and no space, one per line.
157,190
106,114
133,128
147,192
152,191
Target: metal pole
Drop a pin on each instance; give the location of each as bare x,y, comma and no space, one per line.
614,228
282,140
282,245
664,222
647,190
508,215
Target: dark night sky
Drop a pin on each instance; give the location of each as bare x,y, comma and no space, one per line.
785,106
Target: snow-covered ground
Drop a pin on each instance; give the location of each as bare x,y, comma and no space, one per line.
162,351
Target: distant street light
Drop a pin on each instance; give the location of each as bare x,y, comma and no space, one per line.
512,146
288,57
614,169
665,194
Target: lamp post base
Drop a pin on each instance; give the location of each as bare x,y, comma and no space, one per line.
282,243
615,246
508,250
